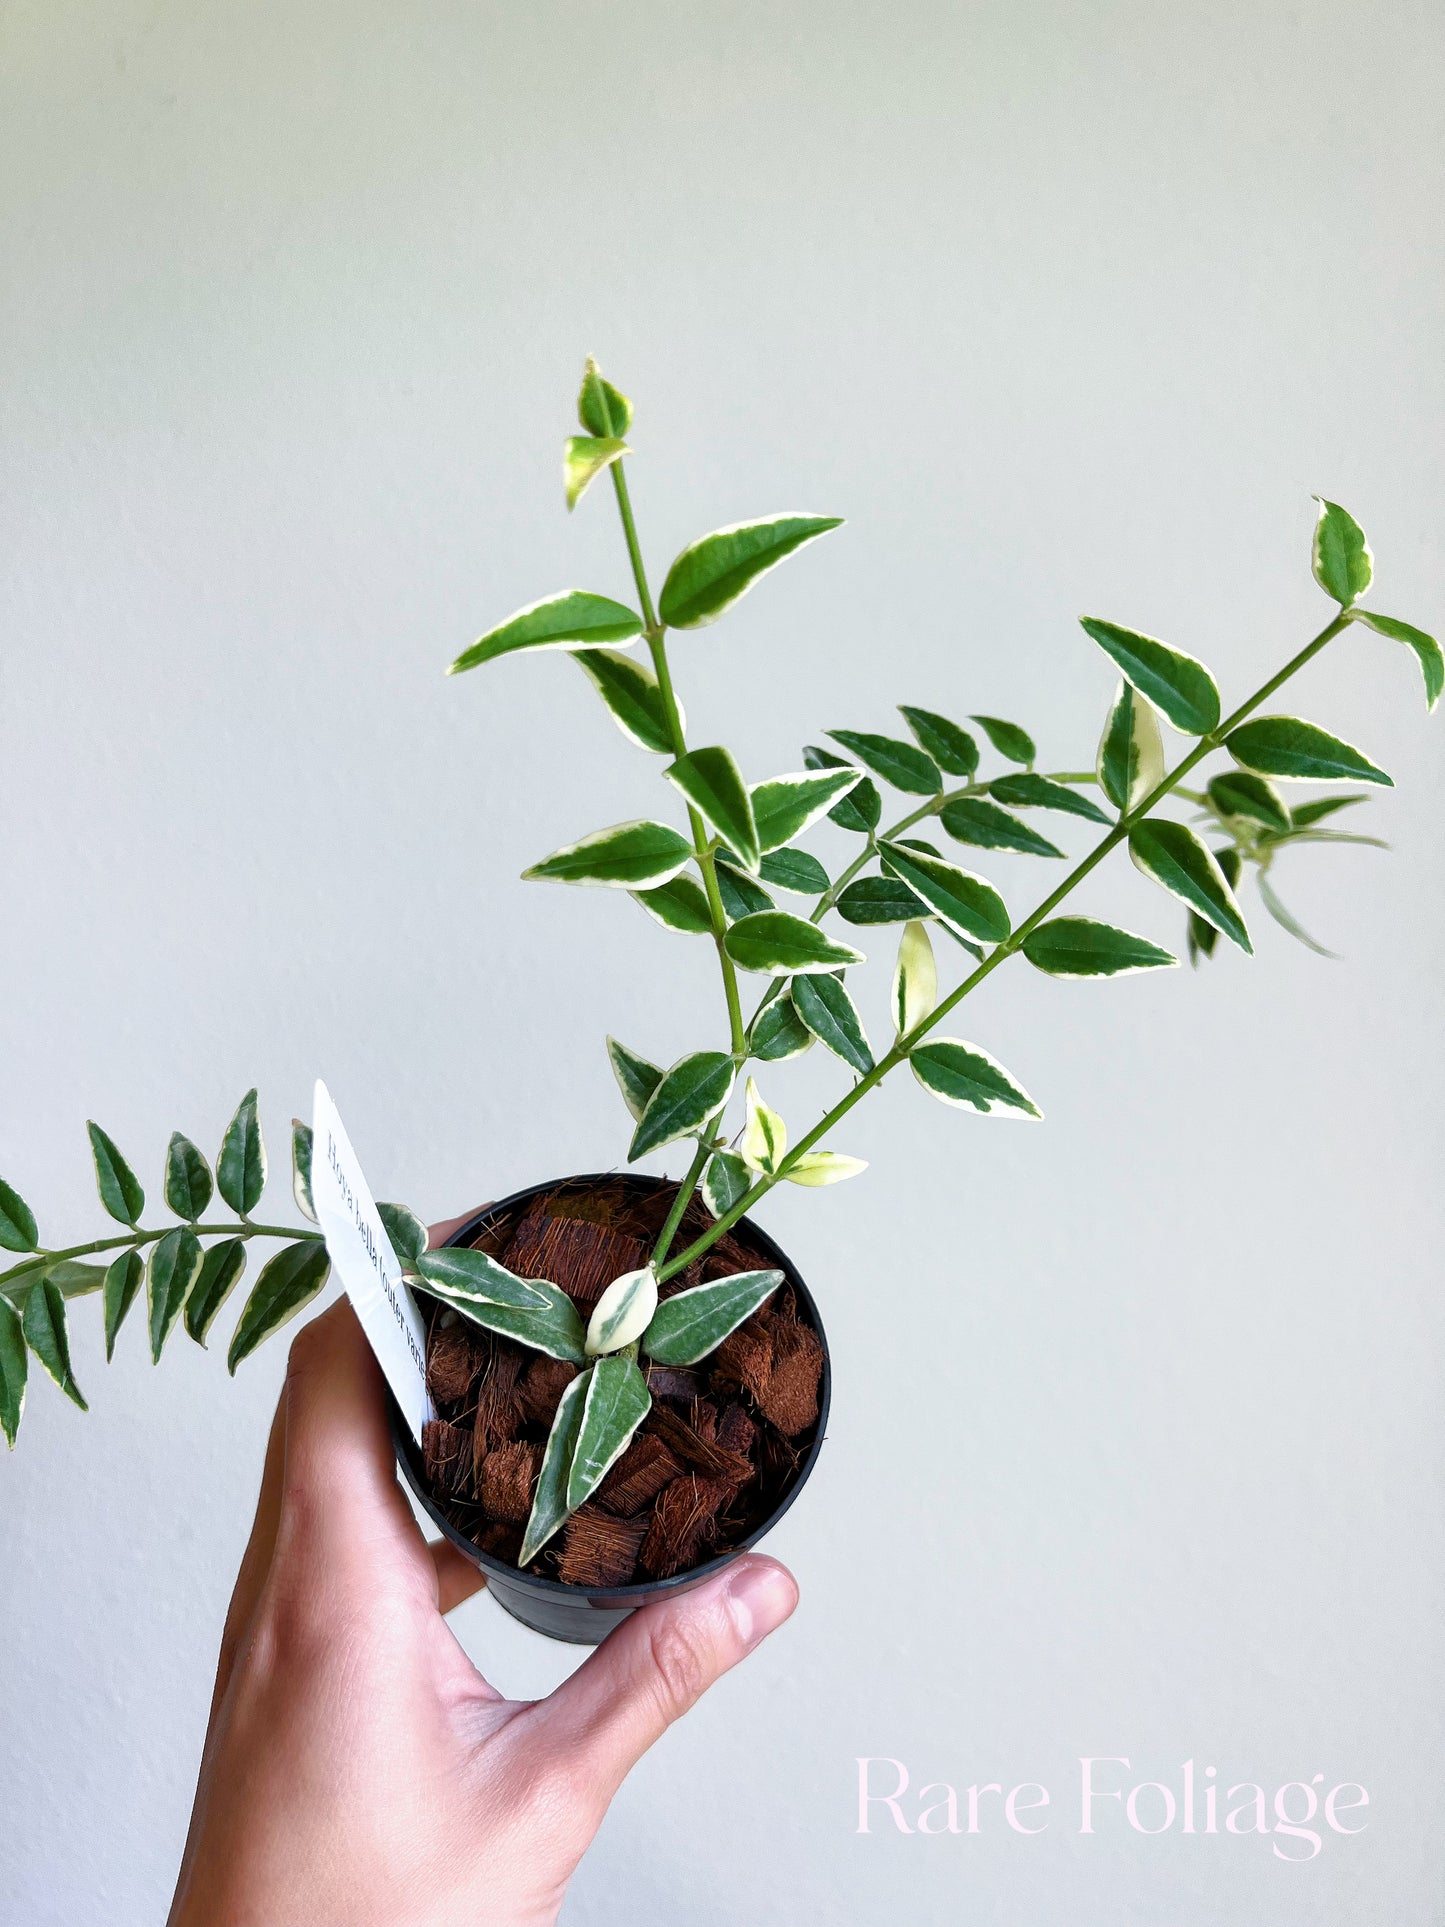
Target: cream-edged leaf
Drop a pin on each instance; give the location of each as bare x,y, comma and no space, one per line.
549,1504
14,1370
915,979
301,1151
1131,750
626,856
633,695
1175,858
601,408
785,806
679,904
783,945
712,782
1427,650
692,1323
637,1078
778,1032
617,1402
765,1136
1340,556
725,1180
584,458
686,1096
712,573
1174,682
1084,947
965,1075
815,1168
823,1003
573,619
623,1312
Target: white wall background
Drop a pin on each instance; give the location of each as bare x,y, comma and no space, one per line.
1136,1445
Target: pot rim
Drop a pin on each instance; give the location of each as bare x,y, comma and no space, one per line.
638,1591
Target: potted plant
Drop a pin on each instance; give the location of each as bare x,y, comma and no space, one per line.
630,1379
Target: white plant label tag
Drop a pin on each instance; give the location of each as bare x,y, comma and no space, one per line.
366,1262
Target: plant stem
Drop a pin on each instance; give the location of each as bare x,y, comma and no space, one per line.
655,633
684,1194
18,1279
1012,944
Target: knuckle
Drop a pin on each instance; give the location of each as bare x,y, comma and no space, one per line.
681,1662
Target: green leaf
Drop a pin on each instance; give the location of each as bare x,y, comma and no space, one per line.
785,806
882,899
1175,858
188,1178
689,1093
623,1312
406,1231
713,572
901,764
584,458
1286,921
1027,790
221,1270
1007,738
617,1402
815,1168
968,902
119,1187
679,905
123,1279
862,808
301,1140
1083,947
637,1077
779,1032
794,870
741,895
175,1265
952,748
1304,814
288,1282
829,1012
915,979
74,1279
553,1327
726,1180
1237,793
1300,752
974,819
1202,939
627,856
780,944
1178,684
241,1167
46,1333
765,1136
14,1370
18,1229
1131,751
690,1324
1341,558
549,1505
601,408
1426,648
712,782
467,1278
631,692
573,619
963,1074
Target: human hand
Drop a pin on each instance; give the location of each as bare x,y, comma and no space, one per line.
357,1768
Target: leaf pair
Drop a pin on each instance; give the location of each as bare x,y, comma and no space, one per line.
764,1145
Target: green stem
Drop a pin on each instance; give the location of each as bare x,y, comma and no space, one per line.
656,633
17,1279
684,1193
1011,945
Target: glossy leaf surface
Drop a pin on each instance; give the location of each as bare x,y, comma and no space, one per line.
713,572
573,619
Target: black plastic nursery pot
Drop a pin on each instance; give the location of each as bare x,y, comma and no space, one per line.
576,1613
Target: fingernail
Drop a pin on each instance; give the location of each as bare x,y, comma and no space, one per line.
760,1595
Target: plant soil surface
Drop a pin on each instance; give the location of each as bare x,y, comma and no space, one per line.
709,1464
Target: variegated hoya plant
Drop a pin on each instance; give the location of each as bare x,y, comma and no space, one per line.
710,873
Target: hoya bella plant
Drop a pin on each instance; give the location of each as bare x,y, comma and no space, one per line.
710,872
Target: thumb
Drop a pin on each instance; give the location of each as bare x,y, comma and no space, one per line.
657,1665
